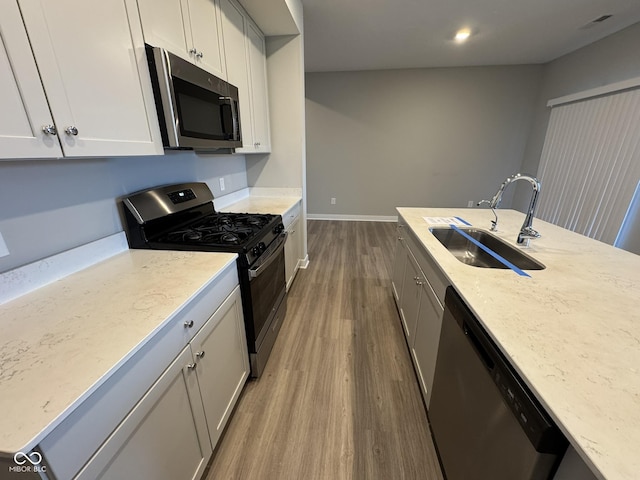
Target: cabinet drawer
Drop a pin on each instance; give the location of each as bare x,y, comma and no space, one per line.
74,441
290,216
432,272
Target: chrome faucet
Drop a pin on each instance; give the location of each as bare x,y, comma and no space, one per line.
526,232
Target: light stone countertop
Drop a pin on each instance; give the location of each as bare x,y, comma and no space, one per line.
59,343
571,330
276,205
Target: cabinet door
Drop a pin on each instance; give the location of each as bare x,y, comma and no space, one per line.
204,17
220,350
259,92
165,24
427,337
235,45
22,99
399,264
165,435
91,59
410,298
292,251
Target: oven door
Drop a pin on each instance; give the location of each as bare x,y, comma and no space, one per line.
267,286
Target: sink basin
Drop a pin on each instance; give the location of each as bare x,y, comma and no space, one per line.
470,253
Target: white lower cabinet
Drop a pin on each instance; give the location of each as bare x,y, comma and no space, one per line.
222,363
426,338
165,436
399,264
293,246
174,428
410,296
419,306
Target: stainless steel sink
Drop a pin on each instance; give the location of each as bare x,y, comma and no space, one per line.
470,253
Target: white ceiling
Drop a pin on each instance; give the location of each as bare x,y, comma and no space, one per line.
384,34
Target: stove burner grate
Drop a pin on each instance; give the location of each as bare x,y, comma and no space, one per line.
225,229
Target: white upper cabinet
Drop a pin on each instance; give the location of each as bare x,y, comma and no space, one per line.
235,44
187,28
90,57
205,22
22,99
246,69
259,94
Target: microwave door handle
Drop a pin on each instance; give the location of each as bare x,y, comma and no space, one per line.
234,119
255,272
167,95
229,101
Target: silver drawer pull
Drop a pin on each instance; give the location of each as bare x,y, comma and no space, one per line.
200,354
188,324
192,366
71,130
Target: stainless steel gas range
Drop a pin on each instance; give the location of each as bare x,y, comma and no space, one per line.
183,217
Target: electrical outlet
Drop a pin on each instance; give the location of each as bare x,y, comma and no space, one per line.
4,251
470,203
222,184
333,200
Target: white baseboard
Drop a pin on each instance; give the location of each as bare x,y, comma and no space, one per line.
352,218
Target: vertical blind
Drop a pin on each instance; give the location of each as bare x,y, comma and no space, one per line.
590,165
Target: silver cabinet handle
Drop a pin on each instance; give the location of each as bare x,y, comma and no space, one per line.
188,324
192,366
200,354
50,129
193,51
199,54
71,130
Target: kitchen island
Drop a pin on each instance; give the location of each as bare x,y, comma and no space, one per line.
572,330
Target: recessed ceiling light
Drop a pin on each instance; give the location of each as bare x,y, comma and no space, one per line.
462,35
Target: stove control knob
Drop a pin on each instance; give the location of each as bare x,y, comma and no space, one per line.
262,247
278,229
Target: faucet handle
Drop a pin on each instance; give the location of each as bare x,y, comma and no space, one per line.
529,232
526,234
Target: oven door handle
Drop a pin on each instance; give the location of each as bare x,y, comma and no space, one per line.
275,250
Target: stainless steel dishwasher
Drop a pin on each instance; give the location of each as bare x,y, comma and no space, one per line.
485,422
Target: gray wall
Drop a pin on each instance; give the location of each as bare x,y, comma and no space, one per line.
49,206
415,137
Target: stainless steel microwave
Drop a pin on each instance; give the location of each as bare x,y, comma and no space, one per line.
196,109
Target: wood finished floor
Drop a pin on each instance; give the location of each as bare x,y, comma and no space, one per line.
339,398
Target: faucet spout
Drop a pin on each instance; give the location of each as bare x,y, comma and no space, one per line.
526,232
